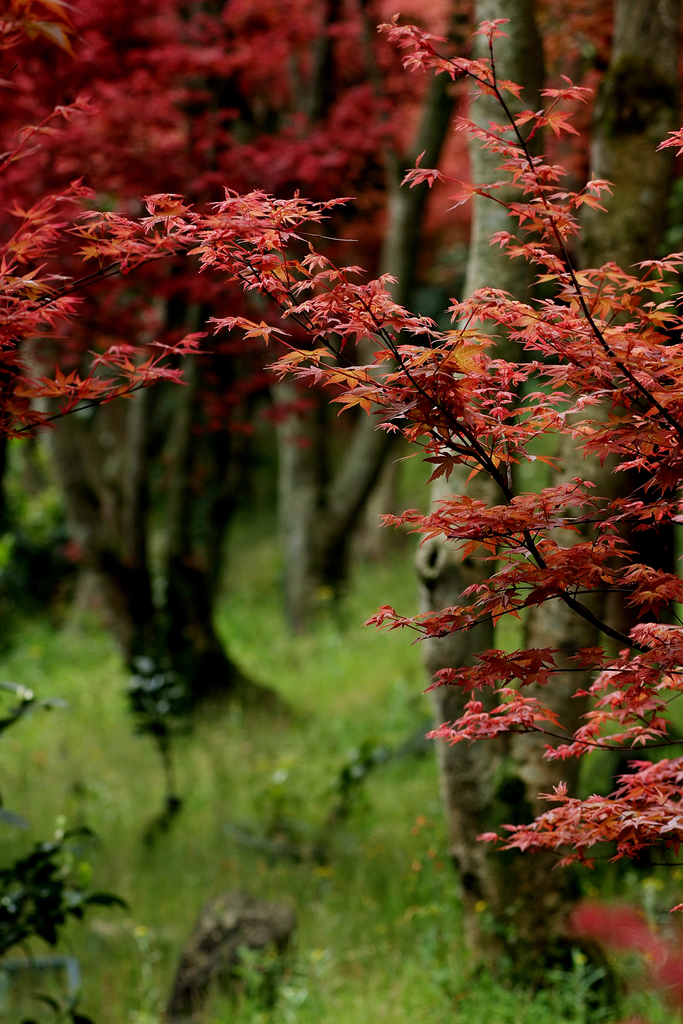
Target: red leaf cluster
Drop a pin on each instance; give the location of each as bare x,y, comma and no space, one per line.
35,301
600,362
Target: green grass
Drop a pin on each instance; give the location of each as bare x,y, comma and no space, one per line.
379,935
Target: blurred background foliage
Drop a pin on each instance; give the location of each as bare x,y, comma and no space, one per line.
327,796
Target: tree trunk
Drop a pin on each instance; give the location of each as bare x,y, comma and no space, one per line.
198,510
372,541
92,454
317,516
515,906
159,610
406,206
319,505
637,106
482,787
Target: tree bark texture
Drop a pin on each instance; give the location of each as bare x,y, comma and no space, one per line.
515,905
637,106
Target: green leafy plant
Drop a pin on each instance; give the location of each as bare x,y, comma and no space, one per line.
39,892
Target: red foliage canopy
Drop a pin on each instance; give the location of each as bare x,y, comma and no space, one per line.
182,99
34,300
600,362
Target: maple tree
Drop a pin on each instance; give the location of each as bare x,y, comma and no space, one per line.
599,364
152,78
483,785
36,301
181,100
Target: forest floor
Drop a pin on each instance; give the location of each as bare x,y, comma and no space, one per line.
269,808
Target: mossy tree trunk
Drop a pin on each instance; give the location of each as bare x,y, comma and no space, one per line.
515,906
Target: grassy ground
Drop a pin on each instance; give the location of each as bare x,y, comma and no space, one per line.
379,935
